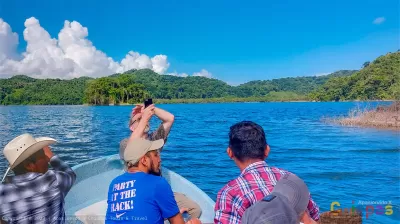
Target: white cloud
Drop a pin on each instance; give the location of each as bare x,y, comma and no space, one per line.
160,64
178,74
379,20
203,73
8,41
322,73
8,46
71,55
134,60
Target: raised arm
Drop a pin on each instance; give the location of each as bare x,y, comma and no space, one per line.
65,175
144,121
166,117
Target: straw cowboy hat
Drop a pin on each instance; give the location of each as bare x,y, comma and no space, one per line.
22,147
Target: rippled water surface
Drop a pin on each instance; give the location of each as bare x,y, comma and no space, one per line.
343,164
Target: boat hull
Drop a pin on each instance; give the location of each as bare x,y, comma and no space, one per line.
86,201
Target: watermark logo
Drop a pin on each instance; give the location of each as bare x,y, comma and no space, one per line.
369,207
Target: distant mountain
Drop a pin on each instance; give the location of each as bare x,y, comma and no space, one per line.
299,85
379,80
174,87
22,89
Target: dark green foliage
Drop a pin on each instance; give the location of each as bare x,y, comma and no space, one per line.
173,87
25,90
115,89
379,80
299,85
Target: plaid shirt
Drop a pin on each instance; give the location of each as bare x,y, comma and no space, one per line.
37,198
254,183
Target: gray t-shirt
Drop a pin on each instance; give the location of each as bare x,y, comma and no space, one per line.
158,134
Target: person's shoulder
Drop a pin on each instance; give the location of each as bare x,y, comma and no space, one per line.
117,179
123,141
157,179
279,172
278,169
151,178
230,188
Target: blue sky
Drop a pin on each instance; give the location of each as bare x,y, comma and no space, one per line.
236,41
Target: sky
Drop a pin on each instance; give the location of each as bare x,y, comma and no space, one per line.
234,41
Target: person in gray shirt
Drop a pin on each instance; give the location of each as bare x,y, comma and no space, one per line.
35,194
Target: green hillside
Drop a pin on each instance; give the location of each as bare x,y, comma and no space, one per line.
173,87
379,80
298,85
22,89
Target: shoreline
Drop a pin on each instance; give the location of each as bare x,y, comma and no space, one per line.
382,117
196,101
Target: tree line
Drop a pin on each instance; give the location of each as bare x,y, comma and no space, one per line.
378,80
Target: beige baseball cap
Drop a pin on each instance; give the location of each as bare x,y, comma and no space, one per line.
22,147
137,148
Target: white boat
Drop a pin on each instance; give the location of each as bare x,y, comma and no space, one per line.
87,200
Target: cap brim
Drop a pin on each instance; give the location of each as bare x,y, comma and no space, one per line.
155,145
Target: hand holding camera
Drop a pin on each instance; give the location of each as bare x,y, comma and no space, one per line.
148,112
139,108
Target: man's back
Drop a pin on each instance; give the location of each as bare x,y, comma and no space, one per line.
253,184
140,197
35,197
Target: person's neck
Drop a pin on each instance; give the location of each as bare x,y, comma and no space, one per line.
243,165
137,170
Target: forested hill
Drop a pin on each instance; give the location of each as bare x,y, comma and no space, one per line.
299,85
377,80
134,85
22,89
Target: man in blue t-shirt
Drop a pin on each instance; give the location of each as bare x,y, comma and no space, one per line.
139,197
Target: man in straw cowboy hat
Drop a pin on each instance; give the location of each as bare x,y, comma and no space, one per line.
139,196
35,194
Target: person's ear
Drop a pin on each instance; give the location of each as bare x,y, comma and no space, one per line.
229,152
266,151
30,167
142,161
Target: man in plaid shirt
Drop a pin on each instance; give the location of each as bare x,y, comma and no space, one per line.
35,194
248,148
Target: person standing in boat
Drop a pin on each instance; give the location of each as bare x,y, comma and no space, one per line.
35,194
140,128
248,148
137,196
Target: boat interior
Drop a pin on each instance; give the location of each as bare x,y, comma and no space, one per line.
87,200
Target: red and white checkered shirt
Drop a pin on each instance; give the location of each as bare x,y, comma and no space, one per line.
254,183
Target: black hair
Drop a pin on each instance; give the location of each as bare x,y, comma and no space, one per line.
247,141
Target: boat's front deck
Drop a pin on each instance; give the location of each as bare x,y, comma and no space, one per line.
87,200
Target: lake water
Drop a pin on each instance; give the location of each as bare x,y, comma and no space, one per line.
343,164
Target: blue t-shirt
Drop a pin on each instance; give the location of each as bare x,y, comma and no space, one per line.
140,198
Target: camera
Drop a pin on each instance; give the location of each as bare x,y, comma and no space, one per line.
148,102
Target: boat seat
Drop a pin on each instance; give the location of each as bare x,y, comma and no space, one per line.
93,214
